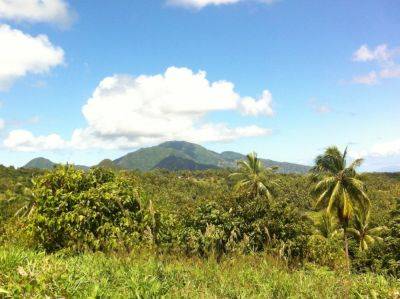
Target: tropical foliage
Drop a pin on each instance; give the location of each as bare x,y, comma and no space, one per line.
251,177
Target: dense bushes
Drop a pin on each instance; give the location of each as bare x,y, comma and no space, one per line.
246,226
101,211
86,211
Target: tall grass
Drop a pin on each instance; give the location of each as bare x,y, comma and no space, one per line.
31,274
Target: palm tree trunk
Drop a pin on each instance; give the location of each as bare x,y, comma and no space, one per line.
346,249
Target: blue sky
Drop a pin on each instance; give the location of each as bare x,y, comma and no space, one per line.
284,78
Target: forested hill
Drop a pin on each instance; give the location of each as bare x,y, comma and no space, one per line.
148,158
177,155
40,163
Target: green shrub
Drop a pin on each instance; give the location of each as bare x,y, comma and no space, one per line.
245,226
208,230
275,225
326,251
86,211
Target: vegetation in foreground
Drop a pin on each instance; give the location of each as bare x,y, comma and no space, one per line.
32,274
251,233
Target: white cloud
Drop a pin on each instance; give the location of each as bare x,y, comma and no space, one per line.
250,106
2,124
384,57
199,4
21,54
369,79
34,11
127,112
86,138
380,53
25,141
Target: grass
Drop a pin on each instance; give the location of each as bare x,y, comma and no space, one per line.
30,274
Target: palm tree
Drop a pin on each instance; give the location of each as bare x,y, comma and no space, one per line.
252,177
339,189
361,231
327,226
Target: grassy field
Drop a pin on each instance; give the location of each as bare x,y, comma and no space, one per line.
30,274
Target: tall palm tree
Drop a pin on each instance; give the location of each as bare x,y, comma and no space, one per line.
339,189
252,177
362,232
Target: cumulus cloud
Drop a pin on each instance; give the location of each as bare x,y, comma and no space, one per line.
127,112
2,124
21,54
199,4
131,111
384,57
87,138
35,11
25,141
250,106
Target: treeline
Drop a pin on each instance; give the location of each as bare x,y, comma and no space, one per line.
332,217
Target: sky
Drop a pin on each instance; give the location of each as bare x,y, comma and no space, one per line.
81,81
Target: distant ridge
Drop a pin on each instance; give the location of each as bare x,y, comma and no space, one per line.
180,152
175,155
46,164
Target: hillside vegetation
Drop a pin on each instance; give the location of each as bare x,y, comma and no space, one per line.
217,233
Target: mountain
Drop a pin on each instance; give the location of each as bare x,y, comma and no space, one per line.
108,164
45,164
147,158
39,163
174,163
232,156
175,155
181,153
